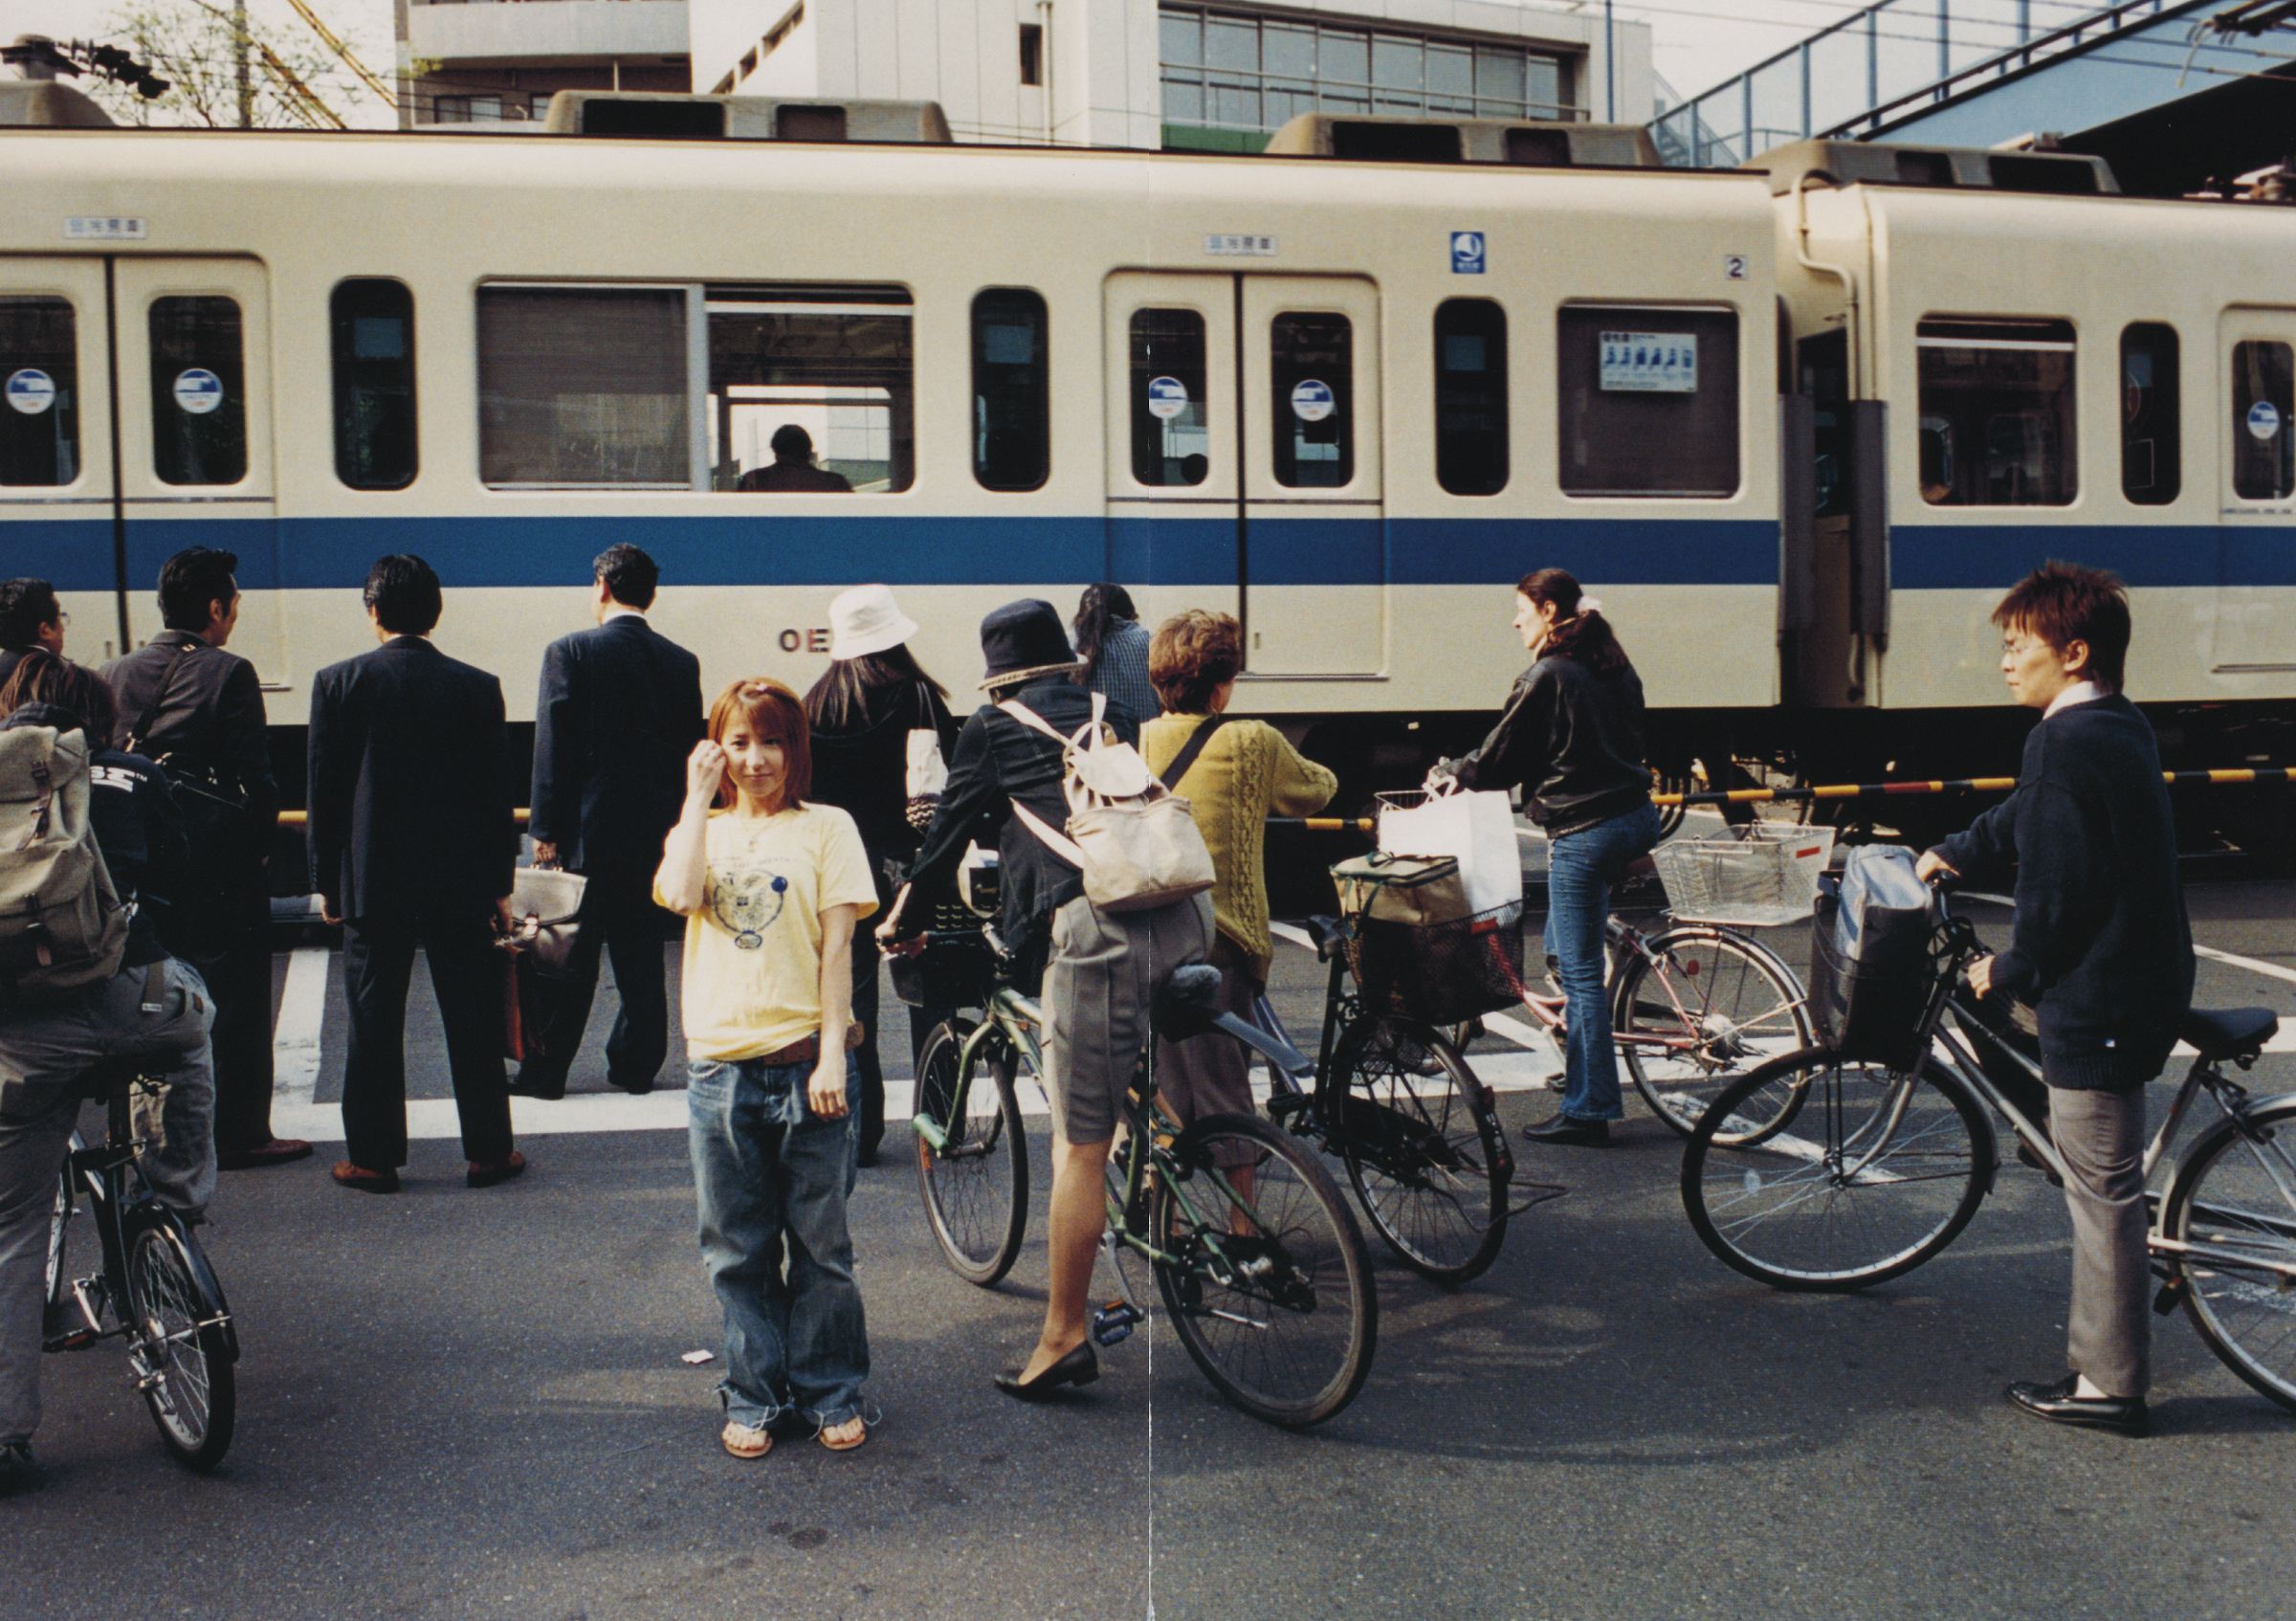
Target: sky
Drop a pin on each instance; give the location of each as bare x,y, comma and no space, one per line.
1696,43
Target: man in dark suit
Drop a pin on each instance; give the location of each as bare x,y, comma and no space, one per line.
619,710
413,843
199,711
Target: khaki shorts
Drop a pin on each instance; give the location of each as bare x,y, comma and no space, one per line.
1104,970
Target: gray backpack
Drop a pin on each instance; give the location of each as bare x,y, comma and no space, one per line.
62,926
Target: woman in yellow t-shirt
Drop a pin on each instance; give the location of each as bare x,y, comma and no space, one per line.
770,888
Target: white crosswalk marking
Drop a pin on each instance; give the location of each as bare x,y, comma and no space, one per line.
295,1050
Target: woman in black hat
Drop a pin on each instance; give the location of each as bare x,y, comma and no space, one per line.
1098,967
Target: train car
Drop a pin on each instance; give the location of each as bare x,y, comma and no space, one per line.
1350,403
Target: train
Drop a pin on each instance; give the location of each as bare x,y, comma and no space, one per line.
1796,425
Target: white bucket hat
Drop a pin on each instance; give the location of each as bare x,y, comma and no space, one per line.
866,619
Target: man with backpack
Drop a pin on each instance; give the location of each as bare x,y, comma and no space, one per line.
198,710
1101,964
91,841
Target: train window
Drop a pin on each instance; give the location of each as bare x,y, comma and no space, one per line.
2150,470
812,389
1012,391
39,374
1470,396
1997,412
198,392
1171,430
1310,373
1649,401
2264,401
582,388
1823,363
372,320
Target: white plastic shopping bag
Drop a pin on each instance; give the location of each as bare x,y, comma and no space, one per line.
1476,830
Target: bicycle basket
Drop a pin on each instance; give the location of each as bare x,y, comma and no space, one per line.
956,970
1767,879
1440,973
1867,1007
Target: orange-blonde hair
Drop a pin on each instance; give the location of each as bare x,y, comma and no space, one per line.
773,713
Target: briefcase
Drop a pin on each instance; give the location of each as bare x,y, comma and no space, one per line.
530,1000
546,905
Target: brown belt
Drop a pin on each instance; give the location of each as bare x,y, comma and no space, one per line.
808,1050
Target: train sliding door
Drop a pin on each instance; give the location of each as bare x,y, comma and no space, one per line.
1244,457
195,439
2256,399
55,434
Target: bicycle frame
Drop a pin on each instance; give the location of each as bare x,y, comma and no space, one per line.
1010,1017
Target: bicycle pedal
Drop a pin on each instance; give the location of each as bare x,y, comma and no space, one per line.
1113,1322
2170,1297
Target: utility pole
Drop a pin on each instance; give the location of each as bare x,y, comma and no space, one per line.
245,85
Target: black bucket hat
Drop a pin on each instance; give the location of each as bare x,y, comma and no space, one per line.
1023,640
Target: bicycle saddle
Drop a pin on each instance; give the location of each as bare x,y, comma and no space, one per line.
2228,1032
107,1075
1184,1003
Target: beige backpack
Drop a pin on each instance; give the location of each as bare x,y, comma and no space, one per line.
62,927
1134,840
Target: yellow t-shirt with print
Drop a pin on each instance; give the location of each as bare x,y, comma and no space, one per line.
753,952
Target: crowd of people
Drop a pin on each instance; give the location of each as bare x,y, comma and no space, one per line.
790,835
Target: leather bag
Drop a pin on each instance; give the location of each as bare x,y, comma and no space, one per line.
546,905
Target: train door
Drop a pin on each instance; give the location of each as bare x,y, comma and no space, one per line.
1243,452
55,434
2256,395
195,442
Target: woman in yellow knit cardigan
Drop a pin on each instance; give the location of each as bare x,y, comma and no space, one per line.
1243,772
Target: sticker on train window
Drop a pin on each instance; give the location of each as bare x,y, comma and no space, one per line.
2263,420
1168,397
1649,362
1311,400
31,391
198,390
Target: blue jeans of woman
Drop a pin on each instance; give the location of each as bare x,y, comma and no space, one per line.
770,1177
1581,866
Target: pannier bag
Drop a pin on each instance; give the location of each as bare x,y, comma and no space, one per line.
1416,950
1134,840
1870,967
62,926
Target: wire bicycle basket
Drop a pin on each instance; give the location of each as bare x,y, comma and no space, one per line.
1766,878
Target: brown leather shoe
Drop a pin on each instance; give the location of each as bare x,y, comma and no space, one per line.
278,1151
366,1181
488,1173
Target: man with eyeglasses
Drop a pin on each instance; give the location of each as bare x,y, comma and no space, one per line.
2100,947
30,617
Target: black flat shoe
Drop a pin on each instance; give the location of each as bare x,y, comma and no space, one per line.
635,1088
2123,1415
521,1087
1080,1367
1564,1132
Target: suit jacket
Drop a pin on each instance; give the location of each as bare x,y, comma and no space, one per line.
212,712
410,789
619,710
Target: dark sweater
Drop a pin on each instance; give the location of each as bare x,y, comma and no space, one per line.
2101,945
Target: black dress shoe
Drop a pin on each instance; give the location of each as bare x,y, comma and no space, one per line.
2123,1415
546,1091
635,1088
1565,1132
1080,1367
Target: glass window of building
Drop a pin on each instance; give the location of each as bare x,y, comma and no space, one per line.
372,322
2150,468
1471,397
1171,428
1231,71
2263,437
1013,435
1997,412
1649,401
39,378
198,392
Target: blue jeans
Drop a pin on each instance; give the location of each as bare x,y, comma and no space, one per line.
769,1174
1580,867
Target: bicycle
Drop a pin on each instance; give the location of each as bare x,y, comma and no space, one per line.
1895,1157
1265,1276
153,1287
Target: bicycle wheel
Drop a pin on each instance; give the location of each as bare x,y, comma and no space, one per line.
2232,1201
975,1184
1708,1007
1860,1190
180,1346
1422,1146
1270,1288
59,1277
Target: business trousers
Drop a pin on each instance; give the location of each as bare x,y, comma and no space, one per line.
378,965
240,982
620,921
2108,1327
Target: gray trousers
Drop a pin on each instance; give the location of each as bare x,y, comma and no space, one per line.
42,1052
1098,989
2108,1325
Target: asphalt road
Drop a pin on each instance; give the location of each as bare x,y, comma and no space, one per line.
472,1404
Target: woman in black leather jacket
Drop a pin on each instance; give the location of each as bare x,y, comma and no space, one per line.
1572,738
